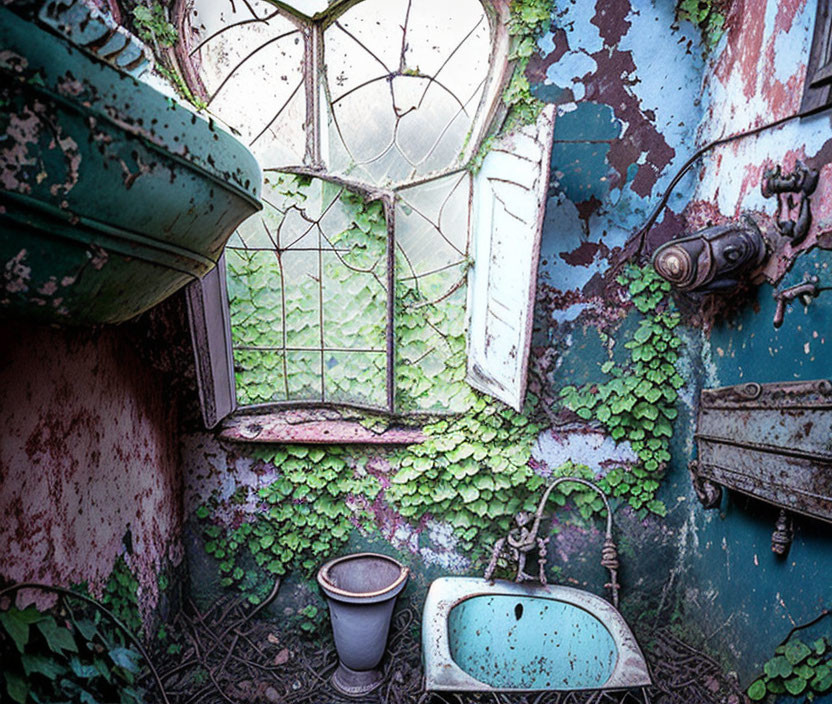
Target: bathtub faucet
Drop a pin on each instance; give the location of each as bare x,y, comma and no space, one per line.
522,540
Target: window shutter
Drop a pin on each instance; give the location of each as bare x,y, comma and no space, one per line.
509,204
817,90
211,338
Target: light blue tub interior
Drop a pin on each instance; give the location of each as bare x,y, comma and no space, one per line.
522,642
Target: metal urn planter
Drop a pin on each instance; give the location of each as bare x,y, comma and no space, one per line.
361,591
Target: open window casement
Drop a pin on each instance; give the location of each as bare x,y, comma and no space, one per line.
509,204
355,287
211,340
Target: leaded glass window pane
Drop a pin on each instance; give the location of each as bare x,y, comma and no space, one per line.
402,108
246,61
351,285
296,273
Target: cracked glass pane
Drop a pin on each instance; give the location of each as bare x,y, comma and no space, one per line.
245,60
404,98
403,108
432,241
295,273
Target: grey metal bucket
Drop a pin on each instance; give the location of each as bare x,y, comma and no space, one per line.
361,590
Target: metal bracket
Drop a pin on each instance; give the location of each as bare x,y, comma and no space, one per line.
805,291
781,538
708,493
792,190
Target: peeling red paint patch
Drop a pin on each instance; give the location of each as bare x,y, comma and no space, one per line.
611,20
782,99
585,254
702,213
610,85
587,208
786,12
539,64
671,225
746,21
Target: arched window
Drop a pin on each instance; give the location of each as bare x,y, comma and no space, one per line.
380,255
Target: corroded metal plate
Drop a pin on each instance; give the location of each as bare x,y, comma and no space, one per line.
770,441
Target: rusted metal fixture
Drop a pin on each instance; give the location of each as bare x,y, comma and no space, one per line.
792,190
781,538
714,259
523,540
708,493
805,291
770,442
486,635
361,591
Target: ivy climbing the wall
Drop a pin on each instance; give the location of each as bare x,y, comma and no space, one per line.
797,669
708,15
473,472
529,19
121,596
637,403
303,516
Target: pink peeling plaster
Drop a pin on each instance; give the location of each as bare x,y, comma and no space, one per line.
89,451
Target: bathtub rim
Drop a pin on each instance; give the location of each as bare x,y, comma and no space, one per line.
443,674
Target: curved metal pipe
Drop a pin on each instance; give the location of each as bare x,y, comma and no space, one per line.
521,541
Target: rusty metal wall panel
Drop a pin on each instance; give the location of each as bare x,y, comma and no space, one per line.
770,441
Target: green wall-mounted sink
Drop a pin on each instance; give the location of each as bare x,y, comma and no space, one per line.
112,195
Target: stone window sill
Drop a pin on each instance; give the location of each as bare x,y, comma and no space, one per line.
315,427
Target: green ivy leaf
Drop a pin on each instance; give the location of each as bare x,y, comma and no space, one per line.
778,667
17,687
795,685
125,658
797,651
757,691
58,638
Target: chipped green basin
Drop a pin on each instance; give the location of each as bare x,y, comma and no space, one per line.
112,195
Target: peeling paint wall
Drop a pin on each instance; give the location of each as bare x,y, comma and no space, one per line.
636,99
749,598
89,452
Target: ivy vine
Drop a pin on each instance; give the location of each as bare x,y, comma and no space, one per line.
708,15
121,596
152,25
304,515
797,669
637,402
70,655
472,472
529,19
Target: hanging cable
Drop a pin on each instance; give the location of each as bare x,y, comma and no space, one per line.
641,235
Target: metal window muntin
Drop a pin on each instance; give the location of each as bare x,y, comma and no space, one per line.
314,80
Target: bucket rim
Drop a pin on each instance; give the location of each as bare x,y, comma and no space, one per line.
326,583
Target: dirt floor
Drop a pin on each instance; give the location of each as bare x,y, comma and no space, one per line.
230,655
